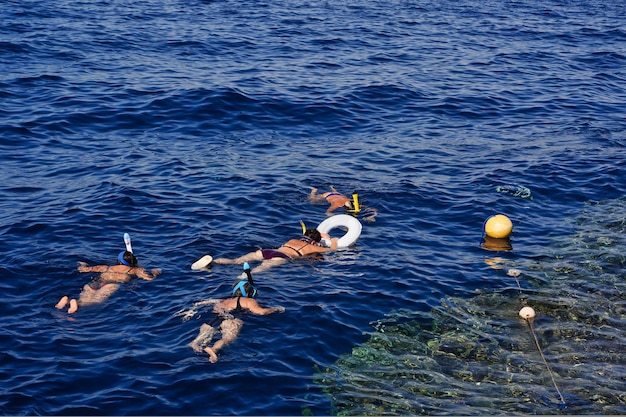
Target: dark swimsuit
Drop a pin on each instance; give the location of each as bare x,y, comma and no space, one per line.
218,319
333,195
307,240
98,284
273,253
239,308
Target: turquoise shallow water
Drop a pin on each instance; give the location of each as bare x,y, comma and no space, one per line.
199,127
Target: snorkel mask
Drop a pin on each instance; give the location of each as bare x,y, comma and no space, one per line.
240,287
127,258
239,290
121,260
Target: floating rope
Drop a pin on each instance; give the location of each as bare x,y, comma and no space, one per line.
528,314
529,321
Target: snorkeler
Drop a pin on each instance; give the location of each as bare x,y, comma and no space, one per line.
332,197
307,245
227,320
337,200
108,282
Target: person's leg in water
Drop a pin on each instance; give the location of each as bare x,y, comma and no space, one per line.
88,296
204,337
314,197
252,256
230,330
73,306
62,302
268,263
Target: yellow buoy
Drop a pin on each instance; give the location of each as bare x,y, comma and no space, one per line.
498,226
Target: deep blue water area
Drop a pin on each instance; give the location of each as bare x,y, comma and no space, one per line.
199,127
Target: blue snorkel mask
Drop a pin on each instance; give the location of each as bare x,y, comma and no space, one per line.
121,260
127,258
241,285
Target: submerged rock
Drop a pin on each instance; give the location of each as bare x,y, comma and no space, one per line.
515,191
476,356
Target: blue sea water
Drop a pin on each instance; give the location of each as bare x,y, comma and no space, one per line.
199,127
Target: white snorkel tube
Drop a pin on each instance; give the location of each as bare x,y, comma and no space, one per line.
129,246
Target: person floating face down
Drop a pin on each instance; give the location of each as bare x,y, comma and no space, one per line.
333,197
108,281
309,244
227,320
337,200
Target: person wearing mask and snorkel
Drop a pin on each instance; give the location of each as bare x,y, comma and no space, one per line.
109,280
227,320
332,197
308,244
337,200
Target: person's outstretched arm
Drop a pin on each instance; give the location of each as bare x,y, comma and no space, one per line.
83,267
255,308
143,274
334,242
207,302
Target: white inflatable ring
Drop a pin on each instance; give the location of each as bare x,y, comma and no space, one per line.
345,221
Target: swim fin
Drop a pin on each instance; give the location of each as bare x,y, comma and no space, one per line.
202,263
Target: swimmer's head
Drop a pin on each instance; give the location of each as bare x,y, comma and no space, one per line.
243,288
348,205
313,234
127,258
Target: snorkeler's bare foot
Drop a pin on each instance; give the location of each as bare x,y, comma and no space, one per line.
204,337
212,354
195,346
62,302
73,306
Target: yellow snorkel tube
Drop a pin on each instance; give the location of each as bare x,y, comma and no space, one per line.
355,202
303,227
